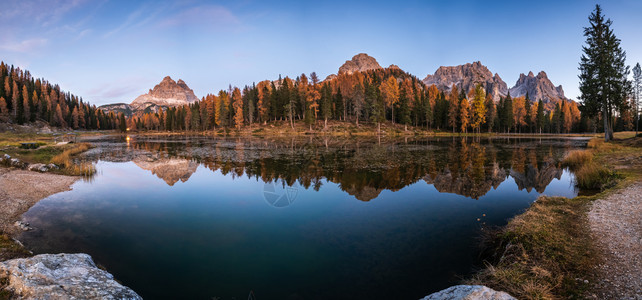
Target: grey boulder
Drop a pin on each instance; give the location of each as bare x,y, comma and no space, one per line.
61,276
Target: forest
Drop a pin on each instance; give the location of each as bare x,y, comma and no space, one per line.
373,97
24,99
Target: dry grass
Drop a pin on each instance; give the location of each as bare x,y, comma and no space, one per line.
548,252
69,167
576,158
541,253
595,177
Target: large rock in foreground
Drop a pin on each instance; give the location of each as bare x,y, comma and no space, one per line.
468,292
61,276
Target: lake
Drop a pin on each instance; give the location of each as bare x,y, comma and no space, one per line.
295,218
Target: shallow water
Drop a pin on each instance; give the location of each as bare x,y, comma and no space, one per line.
304,218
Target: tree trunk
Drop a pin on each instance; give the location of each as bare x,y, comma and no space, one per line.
606,124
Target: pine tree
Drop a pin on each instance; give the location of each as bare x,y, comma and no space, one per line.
637,85
540,116
491,113
528,117
508,112
603,73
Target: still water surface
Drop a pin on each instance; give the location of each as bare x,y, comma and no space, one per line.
305,218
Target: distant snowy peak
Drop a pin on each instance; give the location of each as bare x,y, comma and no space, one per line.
538,88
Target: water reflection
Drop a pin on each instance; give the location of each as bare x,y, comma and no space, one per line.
195,213
362,168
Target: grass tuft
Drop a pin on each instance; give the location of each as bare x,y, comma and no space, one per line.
64,160
595,177
576,158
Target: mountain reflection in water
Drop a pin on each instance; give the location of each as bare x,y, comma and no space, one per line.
363,168
199,217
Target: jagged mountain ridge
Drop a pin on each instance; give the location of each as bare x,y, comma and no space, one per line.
538,87
466,77
168,93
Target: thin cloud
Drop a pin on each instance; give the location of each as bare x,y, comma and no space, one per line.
24,46
137,18
212,16
43,12
83,33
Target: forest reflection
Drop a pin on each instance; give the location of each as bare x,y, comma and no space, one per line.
363,168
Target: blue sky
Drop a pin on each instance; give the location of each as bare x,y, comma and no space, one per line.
113,51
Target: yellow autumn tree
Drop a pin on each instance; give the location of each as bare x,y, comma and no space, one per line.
237,102
519,112
433,93
464,115
264,89
479,108
390,92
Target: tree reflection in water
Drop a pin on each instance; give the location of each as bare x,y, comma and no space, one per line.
363,167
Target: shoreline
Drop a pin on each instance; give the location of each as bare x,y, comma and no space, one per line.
22,189
577,247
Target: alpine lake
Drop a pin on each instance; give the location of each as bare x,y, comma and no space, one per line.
307,217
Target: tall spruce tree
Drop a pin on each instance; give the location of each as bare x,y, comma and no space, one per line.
637,84
603,73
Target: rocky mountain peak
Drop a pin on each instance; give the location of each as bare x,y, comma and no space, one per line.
538,87
360,62
466,77
168,93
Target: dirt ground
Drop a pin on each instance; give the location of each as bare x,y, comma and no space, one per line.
21,189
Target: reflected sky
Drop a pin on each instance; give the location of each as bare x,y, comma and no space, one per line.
202,224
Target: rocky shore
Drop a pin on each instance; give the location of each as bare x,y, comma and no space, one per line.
46,276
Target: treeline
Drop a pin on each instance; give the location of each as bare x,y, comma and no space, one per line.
24,99
374,96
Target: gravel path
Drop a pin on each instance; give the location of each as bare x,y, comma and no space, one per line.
616,223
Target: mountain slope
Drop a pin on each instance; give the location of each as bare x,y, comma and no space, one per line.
466,77
167,93
538,87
